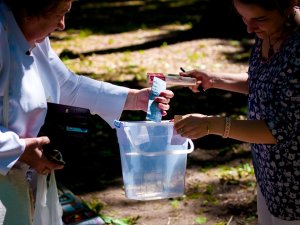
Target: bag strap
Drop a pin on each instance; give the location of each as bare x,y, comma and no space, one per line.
6,104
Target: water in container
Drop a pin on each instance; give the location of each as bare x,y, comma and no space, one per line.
153,158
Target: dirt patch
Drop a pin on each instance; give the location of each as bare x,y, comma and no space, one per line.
210,195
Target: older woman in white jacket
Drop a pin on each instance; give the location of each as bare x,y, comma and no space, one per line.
31,74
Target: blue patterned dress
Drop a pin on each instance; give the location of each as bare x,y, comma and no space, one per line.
274,96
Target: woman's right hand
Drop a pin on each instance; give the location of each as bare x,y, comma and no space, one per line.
33,155
204,79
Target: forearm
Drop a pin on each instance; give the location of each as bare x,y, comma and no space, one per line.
131,102
251,131
11,148
231,82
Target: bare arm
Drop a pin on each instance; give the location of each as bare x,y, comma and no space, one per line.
226,81
251,131
231,82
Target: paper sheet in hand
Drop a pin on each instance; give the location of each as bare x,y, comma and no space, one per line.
153,112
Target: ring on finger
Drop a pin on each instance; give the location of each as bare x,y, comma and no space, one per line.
45,171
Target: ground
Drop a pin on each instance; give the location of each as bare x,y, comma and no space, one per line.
212,196
220,183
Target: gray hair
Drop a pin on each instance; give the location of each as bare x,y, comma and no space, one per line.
29,8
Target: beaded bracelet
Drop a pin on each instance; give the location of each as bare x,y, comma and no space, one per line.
227,127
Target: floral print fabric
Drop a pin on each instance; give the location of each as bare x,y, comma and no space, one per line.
274,96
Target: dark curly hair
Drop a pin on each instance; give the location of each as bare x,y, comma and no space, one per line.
280,5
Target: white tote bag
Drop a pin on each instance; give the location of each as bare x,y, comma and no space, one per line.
48,210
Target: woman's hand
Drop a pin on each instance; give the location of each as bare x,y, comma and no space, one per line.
138,100
33,155
204,79
237,82
197,125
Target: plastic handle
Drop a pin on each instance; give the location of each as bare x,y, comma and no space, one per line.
170,152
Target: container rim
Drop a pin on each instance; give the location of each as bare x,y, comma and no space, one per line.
143,123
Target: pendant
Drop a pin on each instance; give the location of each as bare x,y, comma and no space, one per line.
270,52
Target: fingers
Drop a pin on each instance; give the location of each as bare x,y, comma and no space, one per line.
195,88
47,168
187,73
164,97
44,166
44,171
167,94
163,107
43,140
193,126
50,164
34,157
188,132
37,142
199,76
162,100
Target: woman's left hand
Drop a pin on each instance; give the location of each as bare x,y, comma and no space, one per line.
194,126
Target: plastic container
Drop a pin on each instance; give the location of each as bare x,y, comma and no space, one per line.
153,159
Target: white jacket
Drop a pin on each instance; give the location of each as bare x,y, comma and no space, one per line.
39,78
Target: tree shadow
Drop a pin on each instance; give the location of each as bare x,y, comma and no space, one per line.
209,19
212,18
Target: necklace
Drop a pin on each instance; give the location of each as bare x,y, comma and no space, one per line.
284,34
271,47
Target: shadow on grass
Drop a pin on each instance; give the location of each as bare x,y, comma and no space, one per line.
209,19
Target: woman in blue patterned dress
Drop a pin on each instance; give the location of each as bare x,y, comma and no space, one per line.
273,125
